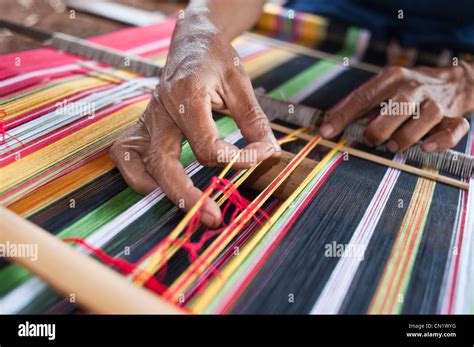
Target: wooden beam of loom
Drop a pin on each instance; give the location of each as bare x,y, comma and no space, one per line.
378,160
270,168
96,288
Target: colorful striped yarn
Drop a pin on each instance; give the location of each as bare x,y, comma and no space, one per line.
420,252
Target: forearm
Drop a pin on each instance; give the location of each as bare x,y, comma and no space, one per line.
230,17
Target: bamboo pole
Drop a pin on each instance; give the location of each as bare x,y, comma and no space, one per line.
95,287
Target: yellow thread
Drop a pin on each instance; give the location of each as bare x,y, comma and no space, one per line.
218,281
155,262
240,221
30,102
62,186
23,169
173,248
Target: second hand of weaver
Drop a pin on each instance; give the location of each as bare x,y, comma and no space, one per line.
352,151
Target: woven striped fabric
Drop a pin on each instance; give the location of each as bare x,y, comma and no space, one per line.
357,237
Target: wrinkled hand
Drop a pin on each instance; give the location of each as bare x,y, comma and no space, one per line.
202,72
443,96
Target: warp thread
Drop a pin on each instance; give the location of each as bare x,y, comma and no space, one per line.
3,132
235,199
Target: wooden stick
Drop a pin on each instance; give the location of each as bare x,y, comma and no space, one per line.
96,288
270,168
379,160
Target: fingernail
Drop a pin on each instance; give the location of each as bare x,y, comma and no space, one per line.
326,130
208,218
430,146
392,146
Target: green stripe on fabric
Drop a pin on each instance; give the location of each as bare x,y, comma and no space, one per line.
14,275
293,86
290,88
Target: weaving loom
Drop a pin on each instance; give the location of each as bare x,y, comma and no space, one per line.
411,237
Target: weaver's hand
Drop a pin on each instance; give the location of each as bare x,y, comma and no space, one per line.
413,103
202,72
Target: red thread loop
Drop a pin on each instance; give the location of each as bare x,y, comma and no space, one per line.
234,198
3,132
122,265
240,203
217,185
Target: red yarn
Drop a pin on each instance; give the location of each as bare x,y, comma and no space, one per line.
4,133
120,264
2,128
217,185
234,198
247,215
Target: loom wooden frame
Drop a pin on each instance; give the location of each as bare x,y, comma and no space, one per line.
94,286
92,283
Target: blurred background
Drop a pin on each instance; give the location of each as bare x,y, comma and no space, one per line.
65,16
